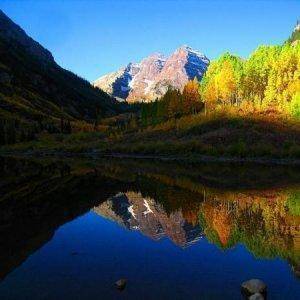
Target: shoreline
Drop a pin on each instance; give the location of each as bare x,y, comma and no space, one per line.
177,158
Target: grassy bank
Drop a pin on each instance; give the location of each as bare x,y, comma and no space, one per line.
216,136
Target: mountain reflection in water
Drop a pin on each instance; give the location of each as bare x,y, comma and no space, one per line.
257,207
264,222
135,212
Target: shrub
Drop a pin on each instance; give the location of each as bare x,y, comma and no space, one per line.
295,106
293,203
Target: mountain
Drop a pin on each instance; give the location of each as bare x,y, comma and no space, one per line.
150,79
34,89
117,83
142,82
295,37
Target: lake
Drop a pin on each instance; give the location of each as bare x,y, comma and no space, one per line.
70,228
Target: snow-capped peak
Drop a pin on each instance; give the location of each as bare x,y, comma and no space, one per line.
150,79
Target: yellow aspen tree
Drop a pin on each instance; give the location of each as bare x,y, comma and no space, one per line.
226,83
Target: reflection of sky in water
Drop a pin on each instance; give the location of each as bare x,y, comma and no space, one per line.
86,256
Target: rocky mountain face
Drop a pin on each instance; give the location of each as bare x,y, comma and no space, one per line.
142,82
117,83
135,212
295,37
150,79
297,27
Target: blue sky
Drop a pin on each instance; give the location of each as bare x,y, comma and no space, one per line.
92,38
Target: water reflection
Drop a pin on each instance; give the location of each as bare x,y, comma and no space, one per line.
146,215
266,222
228,205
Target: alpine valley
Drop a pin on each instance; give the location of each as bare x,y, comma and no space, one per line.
174,177
182,105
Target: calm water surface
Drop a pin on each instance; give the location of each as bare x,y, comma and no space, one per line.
70,230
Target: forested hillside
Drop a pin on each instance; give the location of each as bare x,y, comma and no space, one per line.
38,95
